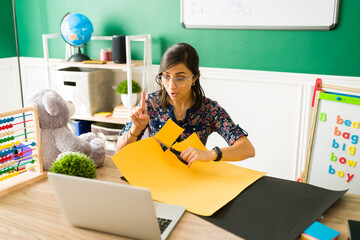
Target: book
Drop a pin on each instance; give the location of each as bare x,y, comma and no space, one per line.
120,111
319,231
103,114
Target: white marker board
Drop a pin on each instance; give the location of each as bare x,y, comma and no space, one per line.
334,150
260,14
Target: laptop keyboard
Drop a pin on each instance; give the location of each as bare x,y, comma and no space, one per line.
163,223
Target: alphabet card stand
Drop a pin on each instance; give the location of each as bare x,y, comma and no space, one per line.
334,148
20,160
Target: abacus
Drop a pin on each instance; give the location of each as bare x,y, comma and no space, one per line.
20,147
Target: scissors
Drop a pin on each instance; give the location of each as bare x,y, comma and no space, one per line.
176,152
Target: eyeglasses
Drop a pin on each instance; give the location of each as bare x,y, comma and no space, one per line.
178,81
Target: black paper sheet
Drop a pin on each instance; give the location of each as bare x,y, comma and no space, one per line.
273,208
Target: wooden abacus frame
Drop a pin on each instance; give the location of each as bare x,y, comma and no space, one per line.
29,176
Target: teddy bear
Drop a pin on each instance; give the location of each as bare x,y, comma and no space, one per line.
56,136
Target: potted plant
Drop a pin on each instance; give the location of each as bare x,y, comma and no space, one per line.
74,164
122,89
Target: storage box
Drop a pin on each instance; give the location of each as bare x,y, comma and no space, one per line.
89,89
109,132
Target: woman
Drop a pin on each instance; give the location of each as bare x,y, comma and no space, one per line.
182,99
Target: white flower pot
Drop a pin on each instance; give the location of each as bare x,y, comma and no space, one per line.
125,99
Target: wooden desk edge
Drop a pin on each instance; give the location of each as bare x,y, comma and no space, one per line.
21,206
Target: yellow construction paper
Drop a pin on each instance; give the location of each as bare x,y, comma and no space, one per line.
192,141
203,188
169,133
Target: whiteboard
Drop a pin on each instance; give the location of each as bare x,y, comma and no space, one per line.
335,149
260,14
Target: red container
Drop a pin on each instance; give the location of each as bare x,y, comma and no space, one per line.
105,55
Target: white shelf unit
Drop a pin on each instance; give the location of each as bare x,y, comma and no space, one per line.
60,63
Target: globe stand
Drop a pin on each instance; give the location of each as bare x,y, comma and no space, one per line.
78,57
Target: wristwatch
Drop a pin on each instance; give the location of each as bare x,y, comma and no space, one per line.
219,154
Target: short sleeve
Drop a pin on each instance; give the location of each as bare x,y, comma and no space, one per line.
125,128
226,127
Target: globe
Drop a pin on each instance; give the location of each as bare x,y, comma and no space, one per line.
76,29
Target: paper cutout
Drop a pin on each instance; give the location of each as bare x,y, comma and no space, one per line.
193,141
169,133
203,188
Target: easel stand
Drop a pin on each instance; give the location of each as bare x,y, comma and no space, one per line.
20,159
332,154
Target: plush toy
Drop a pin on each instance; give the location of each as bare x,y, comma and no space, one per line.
56,137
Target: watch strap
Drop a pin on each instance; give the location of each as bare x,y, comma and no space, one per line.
219,154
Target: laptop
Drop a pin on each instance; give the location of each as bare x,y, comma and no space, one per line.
114,207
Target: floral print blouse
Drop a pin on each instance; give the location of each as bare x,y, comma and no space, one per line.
208,118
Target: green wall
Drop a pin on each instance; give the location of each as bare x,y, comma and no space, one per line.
335,52
7,39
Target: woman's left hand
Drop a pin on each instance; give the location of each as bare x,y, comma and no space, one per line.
191,155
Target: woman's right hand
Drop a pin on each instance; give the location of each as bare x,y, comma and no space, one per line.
139,117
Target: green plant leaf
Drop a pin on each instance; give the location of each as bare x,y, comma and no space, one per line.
74,164
122,87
